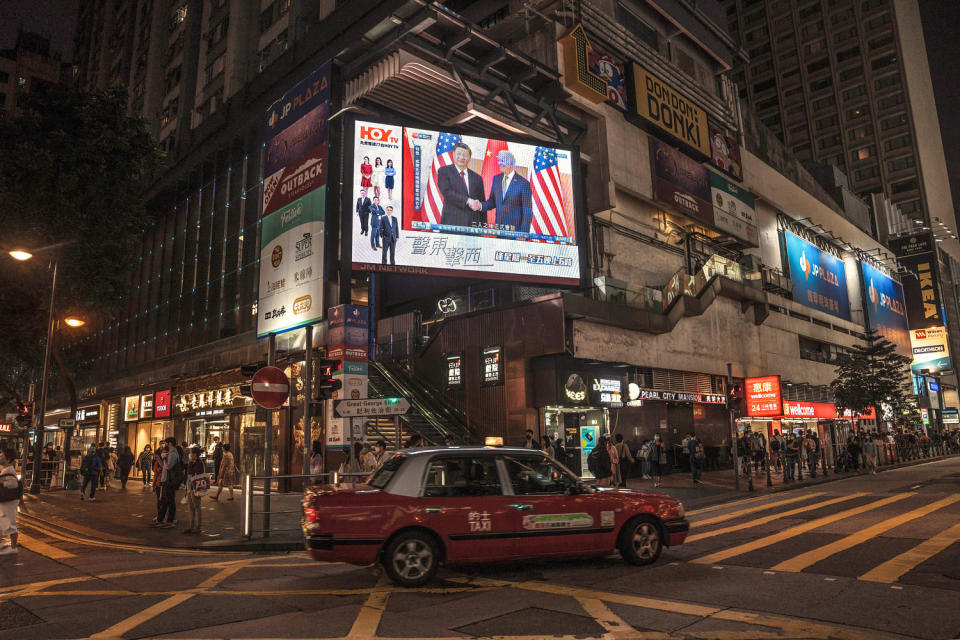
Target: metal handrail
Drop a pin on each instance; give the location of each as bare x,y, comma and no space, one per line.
331,477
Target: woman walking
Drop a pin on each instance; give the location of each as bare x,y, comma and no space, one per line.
111,468
11,499
227,472
145,465
194,470
125,462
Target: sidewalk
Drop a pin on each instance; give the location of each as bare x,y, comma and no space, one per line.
718,486
124,516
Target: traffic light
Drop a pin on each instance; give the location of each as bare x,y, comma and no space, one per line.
735,396
248,371
24,414
326,383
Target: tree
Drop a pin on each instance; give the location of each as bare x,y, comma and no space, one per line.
73,167
873,374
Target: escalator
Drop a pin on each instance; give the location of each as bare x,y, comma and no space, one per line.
430,415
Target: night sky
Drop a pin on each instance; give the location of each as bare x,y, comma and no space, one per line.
941,19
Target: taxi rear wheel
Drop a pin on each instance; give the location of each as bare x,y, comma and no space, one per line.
641,541
412,558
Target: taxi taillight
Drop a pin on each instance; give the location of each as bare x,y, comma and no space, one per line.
311,514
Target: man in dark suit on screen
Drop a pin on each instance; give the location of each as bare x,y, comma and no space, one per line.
510,195
460,188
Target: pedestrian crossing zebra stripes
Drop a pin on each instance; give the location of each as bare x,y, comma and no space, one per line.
833,534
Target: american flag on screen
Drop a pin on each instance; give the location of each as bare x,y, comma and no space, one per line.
433,202
548,216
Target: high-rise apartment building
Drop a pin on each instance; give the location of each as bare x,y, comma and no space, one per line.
847,83
27,67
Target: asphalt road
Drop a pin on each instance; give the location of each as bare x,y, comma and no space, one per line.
862,558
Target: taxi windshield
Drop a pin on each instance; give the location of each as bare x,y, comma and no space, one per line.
382,476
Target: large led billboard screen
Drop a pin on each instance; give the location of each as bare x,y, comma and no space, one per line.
819,278
439,203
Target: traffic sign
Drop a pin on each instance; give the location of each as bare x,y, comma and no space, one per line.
371,407
270,387
66,422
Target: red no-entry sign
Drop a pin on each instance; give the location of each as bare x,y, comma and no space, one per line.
270,387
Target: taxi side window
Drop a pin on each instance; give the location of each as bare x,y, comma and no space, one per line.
536,475
462,476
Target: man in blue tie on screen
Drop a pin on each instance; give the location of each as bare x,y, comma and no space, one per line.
510,195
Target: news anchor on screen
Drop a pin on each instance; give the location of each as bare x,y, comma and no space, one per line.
510,195
460,189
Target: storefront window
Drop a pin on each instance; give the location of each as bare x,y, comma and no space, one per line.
580,430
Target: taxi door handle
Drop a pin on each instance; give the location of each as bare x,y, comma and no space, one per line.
434,509
522,507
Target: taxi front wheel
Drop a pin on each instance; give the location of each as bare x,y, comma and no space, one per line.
641,541
411,559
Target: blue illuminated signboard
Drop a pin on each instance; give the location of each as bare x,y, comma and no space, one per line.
819,279
886,310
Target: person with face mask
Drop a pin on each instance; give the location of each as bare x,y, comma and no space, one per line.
194,471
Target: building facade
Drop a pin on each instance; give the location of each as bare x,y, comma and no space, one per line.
689,214
29,66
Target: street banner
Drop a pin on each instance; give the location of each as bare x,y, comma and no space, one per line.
291,265
886,309
733,209
921,286
819,278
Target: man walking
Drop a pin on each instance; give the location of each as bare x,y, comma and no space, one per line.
626,458
90,468
870,454
697,455
792,456
217,456
171,478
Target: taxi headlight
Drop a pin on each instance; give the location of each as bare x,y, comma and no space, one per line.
680,511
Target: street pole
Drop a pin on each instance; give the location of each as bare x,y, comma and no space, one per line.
268,443
307,406
42,408
733,432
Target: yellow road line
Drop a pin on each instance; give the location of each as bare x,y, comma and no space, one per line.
743,512
602,615
776,516
368,619
804,560
42,548
724,505
792,532
891,570
128,624
66,537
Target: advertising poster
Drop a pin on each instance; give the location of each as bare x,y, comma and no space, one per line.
886,310
131,408
921,287
725,152
733,209
161,404
588,440
681,182
437,203
291,265
819,278
294,207
930,350
611,70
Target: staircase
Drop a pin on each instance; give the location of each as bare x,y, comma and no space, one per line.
430,415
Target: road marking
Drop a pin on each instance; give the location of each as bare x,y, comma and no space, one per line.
764,520
44,549
804,560
602,615
891,570
368,619
792,532
67,537
724,505
128,624
743,512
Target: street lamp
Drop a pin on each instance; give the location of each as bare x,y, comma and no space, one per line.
74,321
22,255
18,254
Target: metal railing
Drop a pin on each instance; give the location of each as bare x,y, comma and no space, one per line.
51,474
278,498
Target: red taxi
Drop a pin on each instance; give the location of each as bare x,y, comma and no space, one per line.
455,505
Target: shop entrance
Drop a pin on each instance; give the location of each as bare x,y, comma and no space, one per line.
580,430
